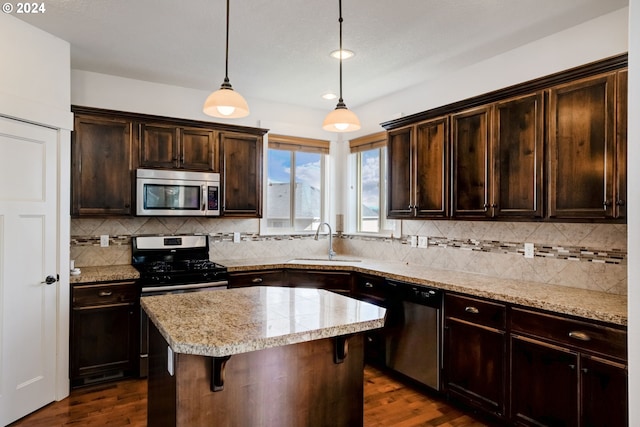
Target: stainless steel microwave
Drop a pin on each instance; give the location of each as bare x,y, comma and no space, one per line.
177,193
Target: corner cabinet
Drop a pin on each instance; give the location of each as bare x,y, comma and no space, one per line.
101,164
241,156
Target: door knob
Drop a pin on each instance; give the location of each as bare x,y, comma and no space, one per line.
50,280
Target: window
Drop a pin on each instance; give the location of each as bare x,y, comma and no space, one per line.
295,190
370,170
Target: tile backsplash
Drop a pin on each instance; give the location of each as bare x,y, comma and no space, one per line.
587,256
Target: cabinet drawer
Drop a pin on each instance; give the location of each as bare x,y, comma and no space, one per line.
319,279
257,278
372,287
583,335
104,294
477,311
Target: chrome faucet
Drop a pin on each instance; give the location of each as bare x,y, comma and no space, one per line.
331,252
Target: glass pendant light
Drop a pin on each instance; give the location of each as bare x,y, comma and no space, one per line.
341,119
225,102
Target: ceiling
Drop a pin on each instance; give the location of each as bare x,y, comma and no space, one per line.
279,49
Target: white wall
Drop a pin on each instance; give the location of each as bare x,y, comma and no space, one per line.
599,38
35,87
118,93
634,207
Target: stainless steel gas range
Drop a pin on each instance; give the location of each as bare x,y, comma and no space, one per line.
173,264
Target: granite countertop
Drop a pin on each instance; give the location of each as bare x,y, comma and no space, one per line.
584,303
233,321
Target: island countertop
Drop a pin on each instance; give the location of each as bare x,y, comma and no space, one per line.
233,321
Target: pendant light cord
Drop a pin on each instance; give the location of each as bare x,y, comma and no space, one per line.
226,58
340,101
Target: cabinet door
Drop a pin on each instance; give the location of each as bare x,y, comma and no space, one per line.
581,148
518,157
103,342
399,173
158,146
544,384
102,166
432,169
604,387
198,149
475,365
621,147
242,174
471,162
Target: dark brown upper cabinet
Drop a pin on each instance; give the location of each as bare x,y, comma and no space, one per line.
101,157
418,181
518,156
173,147
554,149
241,156
471,162
582,149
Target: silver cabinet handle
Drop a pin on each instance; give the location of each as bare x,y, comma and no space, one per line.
472,310
582,336
105,293
256,280
368,285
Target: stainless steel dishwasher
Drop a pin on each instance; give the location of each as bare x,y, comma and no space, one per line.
413,332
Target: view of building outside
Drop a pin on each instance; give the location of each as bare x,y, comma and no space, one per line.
294,191
369,191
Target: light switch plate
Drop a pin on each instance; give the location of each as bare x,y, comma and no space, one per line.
423,242
236,237
414,241
529,250
104,240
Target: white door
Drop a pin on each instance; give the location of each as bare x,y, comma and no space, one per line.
28,254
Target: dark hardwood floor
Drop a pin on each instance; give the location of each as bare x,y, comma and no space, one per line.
388,403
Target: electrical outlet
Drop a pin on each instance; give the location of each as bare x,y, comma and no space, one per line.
414,241
104,240
529,250
236,237
423,242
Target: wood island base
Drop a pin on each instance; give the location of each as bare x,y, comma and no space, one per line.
311,384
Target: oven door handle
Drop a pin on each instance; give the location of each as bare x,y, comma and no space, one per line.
191,286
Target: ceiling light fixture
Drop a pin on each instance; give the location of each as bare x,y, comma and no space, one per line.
225,102
341,119
346,54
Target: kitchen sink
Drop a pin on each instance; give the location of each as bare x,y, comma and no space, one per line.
322,259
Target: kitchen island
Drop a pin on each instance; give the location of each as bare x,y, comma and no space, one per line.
258,356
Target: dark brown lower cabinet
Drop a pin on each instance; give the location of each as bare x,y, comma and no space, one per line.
104,332
567,371
544,384
475,353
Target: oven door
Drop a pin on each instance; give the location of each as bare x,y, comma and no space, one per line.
164,290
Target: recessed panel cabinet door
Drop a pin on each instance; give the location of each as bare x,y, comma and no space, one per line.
242,174
518,157
621,147
158,146
582,148
101,153
432,171
198,149
400,168
471,162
